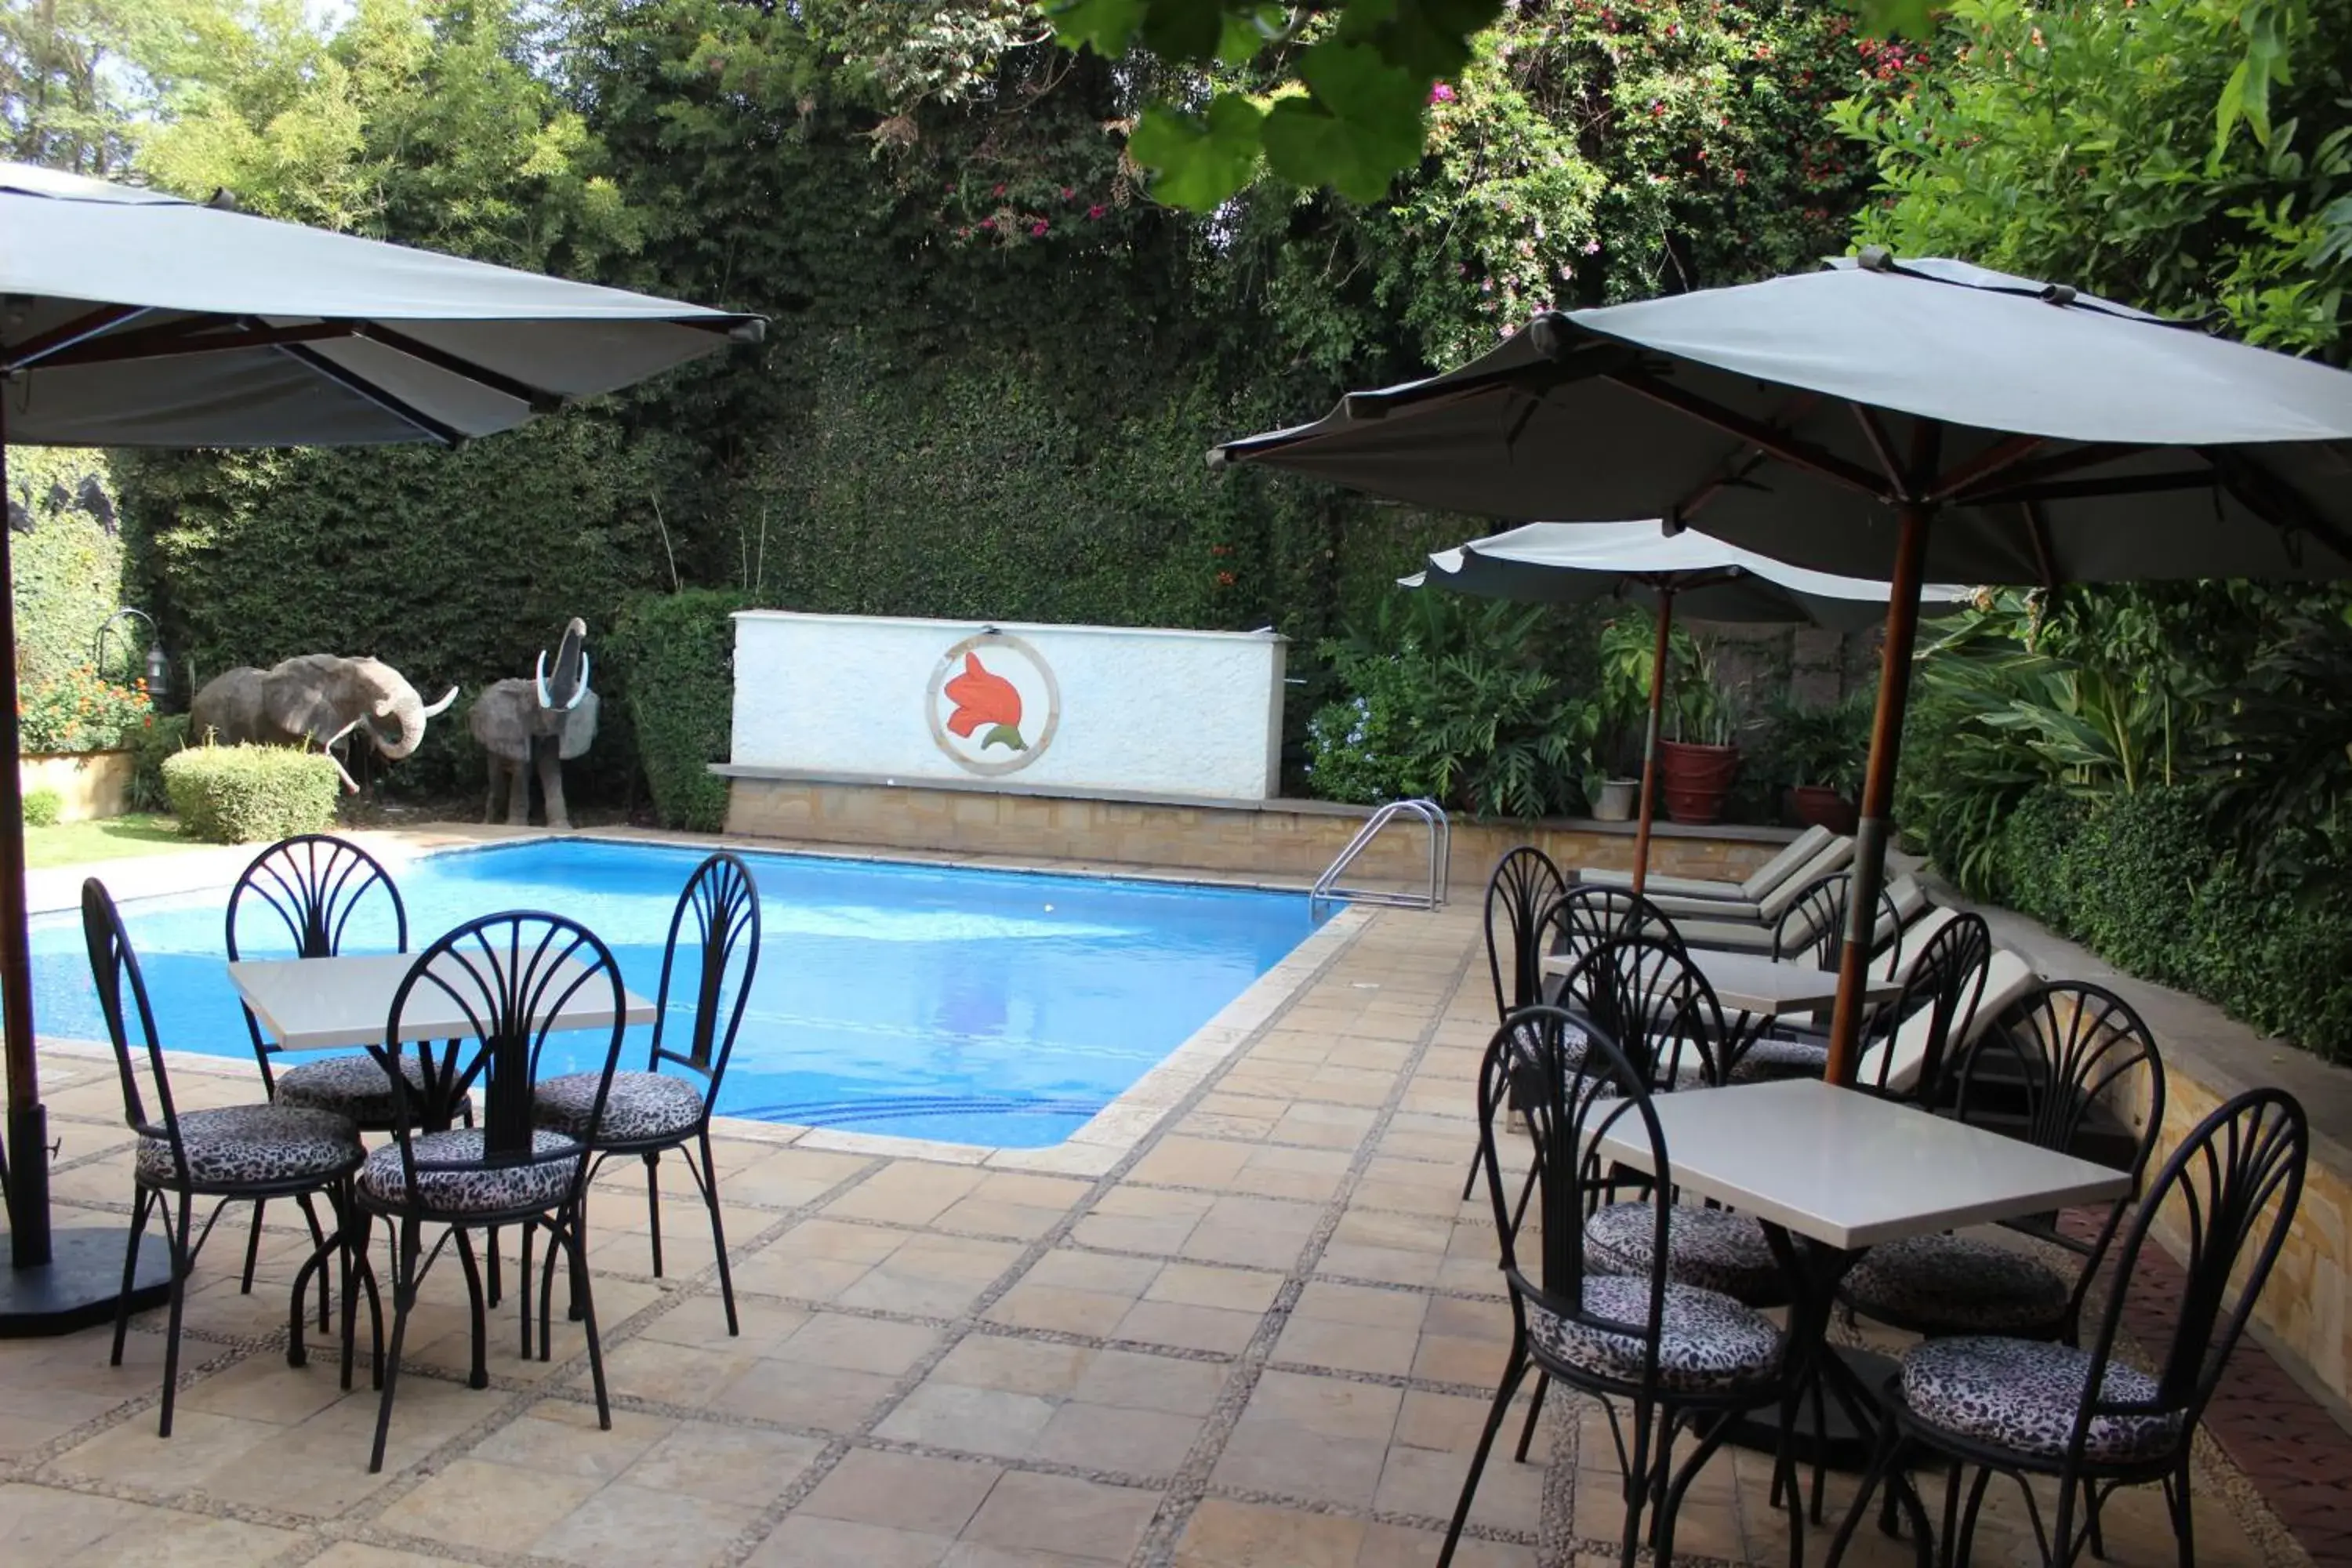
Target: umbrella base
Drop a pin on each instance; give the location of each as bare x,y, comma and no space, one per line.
79,1287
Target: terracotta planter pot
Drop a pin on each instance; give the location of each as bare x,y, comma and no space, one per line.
1693,780
1817,805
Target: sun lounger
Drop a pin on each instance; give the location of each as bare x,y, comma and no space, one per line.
1705,928
1826,861
2008,977
1799,852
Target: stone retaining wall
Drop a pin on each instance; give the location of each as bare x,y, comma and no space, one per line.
1275,841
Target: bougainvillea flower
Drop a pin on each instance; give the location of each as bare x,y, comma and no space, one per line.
982,697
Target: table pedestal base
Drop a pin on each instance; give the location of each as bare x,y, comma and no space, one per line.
1848,1447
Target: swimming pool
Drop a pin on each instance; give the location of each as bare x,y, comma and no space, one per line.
974,1006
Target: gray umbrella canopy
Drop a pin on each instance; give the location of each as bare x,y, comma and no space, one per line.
2075,440
1708,580
1575,562
130,318
1880,418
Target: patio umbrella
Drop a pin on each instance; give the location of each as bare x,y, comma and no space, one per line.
1571,563
1886,419
130,318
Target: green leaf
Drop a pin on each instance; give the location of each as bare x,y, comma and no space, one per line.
1202,160
1910,18
1109,25
1245,32
1003,735
1183,29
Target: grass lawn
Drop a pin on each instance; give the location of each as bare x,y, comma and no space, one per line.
103,839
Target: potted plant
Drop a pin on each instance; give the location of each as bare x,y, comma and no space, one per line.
1817,754
1700,757
1615,799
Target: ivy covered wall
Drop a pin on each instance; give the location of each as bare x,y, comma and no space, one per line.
994,366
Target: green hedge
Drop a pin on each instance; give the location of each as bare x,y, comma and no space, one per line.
2143,880
250,794
675,653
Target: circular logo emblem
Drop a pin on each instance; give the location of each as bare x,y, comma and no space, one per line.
993,704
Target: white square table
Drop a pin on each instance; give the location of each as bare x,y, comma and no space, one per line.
322,1004
1832,1172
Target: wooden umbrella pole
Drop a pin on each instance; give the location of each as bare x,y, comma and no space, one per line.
1650,741
27,1138
1869,872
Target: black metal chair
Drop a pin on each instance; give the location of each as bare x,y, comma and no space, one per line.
2018,1407
234,1154
2054,1070
651,1113
1906,1044
1588,917
1676,1357
1813,927
508,978
314,883
1524,887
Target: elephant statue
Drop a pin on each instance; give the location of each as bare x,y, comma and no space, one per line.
540,723
315,699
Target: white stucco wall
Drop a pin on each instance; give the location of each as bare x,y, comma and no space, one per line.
1130,709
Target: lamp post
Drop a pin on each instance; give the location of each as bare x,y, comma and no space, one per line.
158,665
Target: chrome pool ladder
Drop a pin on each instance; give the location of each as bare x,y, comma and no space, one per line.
1430,815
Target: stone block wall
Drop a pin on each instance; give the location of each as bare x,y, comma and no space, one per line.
1275,841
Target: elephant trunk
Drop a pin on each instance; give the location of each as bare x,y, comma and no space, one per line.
408,715
571,678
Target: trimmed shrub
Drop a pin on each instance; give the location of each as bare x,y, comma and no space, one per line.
250,794
2140,879
43,807
676,653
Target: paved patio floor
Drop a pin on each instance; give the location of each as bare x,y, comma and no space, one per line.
1264,1339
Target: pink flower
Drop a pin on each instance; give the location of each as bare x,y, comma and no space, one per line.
1592,248
1037,229
1440,93
1095,211
987,225
1067,192
997,191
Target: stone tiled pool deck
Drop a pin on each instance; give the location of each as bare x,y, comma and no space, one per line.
1264,1338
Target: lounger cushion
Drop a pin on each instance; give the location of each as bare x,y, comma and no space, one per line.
642,1106
354,1086
1707,1343
494,1189
1958,1285
253,1146
1714,1249
2025,1394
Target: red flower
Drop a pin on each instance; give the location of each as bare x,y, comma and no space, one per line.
1037,229
1095,212
984,698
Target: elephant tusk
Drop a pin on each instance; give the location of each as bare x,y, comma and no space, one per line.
540,680
328,744
443,706
576,696
350,784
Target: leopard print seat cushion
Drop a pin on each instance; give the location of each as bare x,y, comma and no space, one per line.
1713,1250
355,1086
1958,1285
2024,1394
642,1106
1770,1059
1707,1344
253,1146
483,1190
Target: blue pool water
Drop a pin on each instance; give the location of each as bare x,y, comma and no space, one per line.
933,1002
